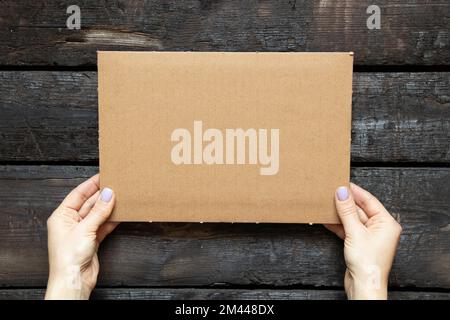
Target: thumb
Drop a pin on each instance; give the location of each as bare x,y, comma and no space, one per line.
101,210
346,208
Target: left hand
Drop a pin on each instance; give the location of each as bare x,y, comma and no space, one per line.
75,230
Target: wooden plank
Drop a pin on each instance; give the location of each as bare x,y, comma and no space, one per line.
48,116
397,117
180,254
412,33
217,294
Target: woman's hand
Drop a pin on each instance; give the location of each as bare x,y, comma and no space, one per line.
75,230
370,236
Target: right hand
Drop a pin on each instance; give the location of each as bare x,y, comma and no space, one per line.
371,236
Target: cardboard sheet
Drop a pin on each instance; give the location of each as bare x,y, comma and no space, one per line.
225,137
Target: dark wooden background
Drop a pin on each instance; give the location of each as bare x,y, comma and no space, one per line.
400,143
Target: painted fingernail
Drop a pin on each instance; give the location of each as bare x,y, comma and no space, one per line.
342,193
106,194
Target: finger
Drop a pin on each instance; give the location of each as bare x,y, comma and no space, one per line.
367,202
88,205
362,215
106,229
80,194
338,229
100,212
346,208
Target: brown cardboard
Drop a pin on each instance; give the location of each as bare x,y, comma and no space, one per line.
145,96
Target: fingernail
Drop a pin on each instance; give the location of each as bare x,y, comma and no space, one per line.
342,193
106,194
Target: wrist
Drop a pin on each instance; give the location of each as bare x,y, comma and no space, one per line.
362,292
368,285
67,285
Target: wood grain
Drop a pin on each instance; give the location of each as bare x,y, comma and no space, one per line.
180,254
412,33
217,294
397,117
